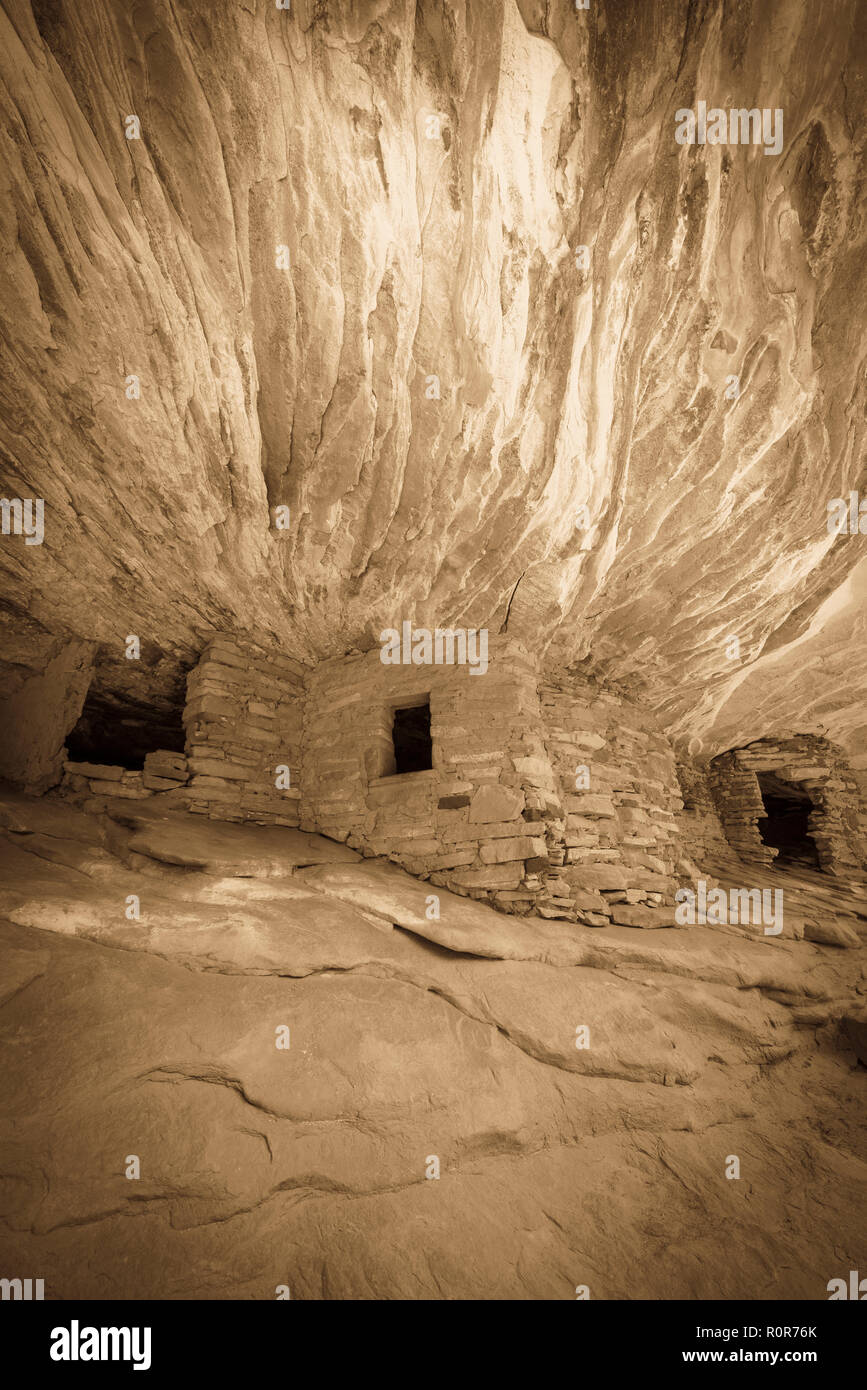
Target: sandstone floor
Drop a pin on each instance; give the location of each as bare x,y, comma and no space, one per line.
410,1039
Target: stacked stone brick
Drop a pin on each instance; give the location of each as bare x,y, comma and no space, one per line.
561,799
738,799
243,719
90,785
472,821
617,843
810,762
165,771
498,816
699,823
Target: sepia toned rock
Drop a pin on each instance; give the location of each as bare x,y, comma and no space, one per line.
433,737
830,933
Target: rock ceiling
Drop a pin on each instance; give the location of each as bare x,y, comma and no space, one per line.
344,262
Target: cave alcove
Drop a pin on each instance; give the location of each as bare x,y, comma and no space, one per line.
786,826
119,725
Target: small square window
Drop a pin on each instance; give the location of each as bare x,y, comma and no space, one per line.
411,738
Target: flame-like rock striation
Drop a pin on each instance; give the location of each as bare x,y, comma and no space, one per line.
439,279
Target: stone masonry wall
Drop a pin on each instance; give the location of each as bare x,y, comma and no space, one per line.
560,798
617,833
699,822
499,816
472,821
858,769
91,785
736,795
243,719
809,761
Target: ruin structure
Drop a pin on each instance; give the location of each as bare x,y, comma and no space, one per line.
433,737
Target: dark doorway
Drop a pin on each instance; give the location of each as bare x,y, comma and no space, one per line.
411,737
786,825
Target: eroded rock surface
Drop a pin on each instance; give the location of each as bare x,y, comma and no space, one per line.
410,1038
320,320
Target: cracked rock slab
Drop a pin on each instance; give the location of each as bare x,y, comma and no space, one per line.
454,1039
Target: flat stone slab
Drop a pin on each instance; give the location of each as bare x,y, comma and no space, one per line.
220,847
23,815
462,925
